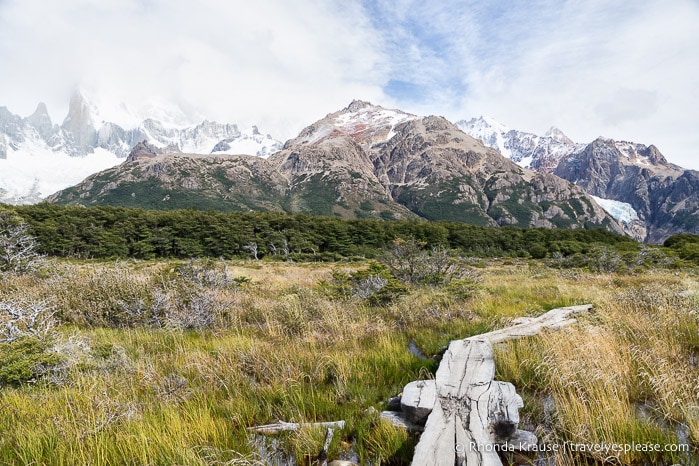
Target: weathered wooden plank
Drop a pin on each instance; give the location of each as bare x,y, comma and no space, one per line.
553,319
467,364
472,413
477,442
437,444
459,420
418,400
323,457
503,411
282,426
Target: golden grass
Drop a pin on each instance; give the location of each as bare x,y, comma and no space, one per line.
281,348
623,374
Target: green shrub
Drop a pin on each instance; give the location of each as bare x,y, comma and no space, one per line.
538,251
410,262
25,360
463,288
375,284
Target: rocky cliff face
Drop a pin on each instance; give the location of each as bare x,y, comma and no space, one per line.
651,198
78,126
362,161
664,196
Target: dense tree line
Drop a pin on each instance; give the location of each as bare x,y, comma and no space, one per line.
104,232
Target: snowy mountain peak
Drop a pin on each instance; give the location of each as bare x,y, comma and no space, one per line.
494,124
483,124
79,112
357,105
41,112
38,157
558,135
41,121
362,121
360,116
78,125
528,150
492,133
638,154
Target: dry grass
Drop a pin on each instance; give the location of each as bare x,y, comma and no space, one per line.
280,347
622,375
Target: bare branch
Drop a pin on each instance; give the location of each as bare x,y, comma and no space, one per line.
18,248
21,319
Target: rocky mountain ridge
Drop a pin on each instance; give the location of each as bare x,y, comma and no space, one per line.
541,153
362,161
652,198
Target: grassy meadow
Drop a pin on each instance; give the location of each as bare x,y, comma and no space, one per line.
169,362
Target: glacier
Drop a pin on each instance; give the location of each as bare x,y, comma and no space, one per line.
621,211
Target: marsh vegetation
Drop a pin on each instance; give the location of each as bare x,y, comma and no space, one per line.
170,361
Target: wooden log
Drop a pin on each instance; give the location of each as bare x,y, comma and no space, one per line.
323,457
503,411
282,426
521,440
459,420
418,400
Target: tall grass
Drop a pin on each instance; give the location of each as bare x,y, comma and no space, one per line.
134,388
145,394
622,375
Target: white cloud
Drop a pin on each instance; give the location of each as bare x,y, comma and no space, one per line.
279,64
621,69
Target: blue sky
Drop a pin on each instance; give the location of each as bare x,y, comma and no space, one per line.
619,69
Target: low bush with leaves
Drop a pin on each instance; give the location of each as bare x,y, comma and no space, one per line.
193,295
27,330
25,360
411,262
602,258
375,284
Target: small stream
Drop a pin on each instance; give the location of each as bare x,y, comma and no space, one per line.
269,451
644,411
416,351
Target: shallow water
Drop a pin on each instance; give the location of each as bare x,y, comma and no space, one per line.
415,351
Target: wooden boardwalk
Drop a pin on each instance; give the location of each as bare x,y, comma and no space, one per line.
472,414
